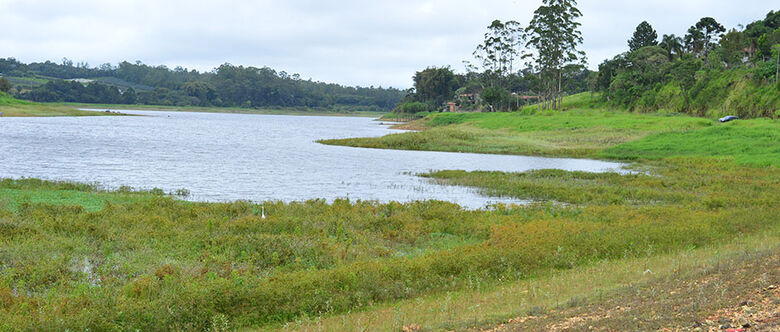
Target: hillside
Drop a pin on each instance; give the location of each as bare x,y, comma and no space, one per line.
710,71
711,92
225,86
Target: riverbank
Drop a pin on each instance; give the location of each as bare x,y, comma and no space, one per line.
10,107
583,131
236,110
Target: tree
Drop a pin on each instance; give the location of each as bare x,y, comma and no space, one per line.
709,28
776,50
205,92
435,85
673,45
495,97
684,72
608,70
694,41
129,96
5,85
502,47
644,35
766,42
554,34
733,44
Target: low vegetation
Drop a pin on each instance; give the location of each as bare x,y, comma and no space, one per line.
15,108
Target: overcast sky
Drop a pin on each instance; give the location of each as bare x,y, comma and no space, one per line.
348,42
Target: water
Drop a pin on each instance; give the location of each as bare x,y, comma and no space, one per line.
222,157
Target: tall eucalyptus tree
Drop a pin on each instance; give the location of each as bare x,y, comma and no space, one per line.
554,35
712,31
502,48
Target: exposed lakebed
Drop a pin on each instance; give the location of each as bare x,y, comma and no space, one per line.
221,157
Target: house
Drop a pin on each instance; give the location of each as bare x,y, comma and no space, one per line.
452,106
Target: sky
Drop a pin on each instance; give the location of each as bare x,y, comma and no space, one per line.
349,42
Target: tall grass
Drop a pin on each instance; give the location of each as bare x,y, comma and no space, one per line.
153,262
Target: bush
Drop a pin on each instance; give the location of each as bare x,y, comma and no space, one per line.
414,107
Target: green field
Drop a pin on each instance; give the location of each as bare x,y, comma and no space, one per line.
586,131
77,257
11,107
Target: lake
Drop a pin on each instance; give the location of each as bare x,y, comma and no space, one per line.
223,157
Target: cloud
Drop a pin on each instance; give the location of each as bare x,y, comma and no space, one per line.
348,42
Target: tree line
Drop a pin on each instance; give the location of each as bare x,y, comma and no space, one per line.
514,65
226,86
707,68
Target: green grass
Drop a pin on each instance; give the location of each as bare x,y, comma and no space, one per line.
586,132
752,142
11,107
580,133
550,298
14,194
7,100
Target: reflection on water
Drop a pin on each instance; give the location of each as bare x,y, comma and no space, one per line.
222,157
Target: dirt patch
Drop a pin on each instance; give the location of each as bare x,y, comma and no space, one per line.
739,294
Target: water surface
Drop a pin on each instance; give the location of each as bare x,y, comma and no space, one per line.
221,157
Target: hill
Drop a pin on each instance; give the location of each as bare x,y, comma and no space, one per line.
226,86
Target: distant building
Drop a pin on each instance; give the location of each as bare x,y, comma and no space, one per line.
83,81
452,106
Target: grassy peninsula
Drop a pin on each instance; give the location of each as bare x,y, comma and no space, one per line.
12,107
587,129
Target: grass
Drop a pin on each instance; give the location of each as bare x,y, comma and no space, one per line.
586,132
517,305
580,132
751,142
728,291
76,257
90,197
11,107
142,255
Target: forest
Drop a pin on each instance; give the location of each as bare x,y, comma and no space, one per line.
226,86
707,72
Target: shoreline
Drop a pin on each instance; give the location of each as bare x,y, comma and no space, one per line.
228,110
